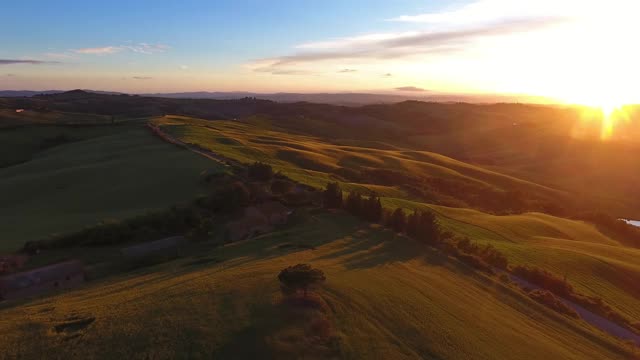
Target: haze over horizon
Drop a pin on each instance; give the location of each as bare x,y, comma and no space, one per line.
565,50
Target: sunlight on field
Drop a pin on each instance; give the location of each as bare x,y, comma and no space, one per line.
387,297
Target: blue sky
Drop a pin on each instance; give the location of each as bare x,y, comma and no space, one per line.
542,47
221,32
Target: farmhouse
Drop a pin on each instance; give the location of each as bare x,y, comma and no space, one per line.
258,219
165,248
63,275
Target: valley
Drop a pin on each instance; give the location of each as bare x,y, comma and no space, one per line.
110,181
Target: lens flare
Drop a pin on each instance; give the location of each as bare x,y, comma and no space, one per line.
613,115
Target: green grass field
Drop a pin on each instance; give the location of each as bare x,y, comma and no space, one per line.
386,297
106,173
9,118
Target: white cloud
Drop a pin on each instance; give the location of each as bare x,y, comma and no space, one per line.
410,89
184,67
402,45
55,55
141,48
144,48
349,42
99,50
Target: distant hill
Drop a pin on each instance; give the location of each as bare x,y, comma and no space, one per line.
26,93
347,99
30,93
325,98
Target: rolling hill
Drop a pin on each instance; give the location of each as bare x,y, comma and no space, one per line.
95,174
385,297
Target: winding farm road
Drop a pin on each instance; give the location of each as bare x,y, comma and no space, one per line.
588,316
198,150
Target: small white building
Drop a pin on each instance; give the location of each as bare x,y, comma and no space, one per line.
19,110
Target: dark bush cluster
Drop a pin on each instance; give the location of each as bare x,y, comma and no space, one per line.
260,172
194,220
142,228
301,277
544,279
281,186
332,196
487,253
548,299
561,287
368,208
227,197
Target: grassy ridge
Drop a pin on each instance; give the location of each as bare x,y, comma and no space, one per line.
592,262
21,144
387,298
108,173
315,161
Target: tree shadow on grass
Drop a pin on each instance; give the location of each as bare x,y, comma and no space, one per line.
314,233
371,245
281,331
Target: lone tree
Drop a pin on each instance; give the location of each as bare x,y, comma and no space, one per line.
299,277
333,196
398,221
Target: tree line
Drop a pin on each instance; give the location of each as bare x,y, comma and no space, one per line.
420,225
423,226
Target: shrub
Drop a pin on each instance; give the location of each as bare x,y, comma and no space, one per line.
544,279
203,231
279,186
260,172
354,203
372,209
493,257
427,228
475,262
298,278
398,221
226,198
332,196
547,298
504,278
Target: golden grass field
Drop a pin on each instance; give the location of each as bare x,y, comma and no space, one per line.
386,297
594,263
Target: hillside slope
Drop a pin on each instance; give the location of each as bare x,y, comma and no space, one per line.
104,173
388,170
386,297
593,263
